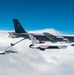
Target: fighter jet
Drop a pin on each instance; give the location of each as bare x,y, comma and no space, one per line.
42,45
7,52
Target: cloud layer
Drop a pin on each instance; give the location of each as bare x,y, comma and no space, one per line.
32,61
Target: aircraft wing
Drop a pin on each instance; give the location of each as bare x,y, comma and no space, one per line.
54,38
50,36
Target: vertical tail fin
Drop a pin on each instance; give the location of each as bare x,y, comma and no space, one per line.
18,27
34,39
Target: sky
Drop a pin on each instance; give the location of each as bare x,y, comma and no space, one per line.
38,14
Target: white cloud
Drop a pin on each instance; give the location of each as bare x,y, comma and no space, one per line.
34,62
51,30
